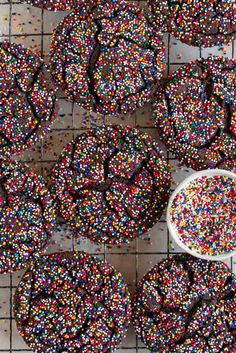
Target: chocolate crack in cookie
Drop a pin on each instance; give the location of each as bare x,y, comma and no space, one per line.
55,5
108,56
186,305
111,183
27,216
195,111
72,302
197,22
27,99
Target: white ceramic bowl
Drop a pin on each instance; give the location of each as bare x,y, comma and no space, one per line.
173,230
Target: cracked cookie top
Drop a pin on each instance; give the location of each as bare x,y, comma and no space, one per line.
106,56
72,302
27,99
111,183
186,305
27,215
55,5
195,111
197,22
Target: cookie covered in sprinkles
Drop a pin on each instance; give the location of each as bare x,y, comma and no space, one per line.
55,5
197,22
27,98
111,183
27,216
107,56
186,305
72,302
195,111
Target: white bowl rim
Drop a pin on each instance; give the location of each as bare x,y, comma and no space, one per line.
173,231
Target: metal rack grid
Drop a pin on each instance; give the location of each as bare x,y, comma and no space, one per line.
33,27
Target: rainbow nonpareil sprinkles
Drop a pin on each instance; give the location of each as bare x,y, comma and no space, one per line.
111,183
197,22
186,305
27,98
72,302
195,113
204,215
107,55
55,5
27,216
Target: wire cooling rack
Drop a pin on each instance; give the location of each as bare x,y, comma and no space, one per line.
33,27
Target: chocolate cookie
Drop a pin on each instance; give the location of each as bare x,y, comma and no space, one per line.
107,55
27,99
111,183
195,112
72,302
55,5
197,22
27,215
186,305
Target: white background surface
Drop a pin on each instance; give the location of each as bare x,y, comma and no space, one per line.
32,27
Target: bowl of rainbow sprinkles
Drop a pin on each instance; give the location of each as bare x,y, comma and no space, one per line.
201,214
